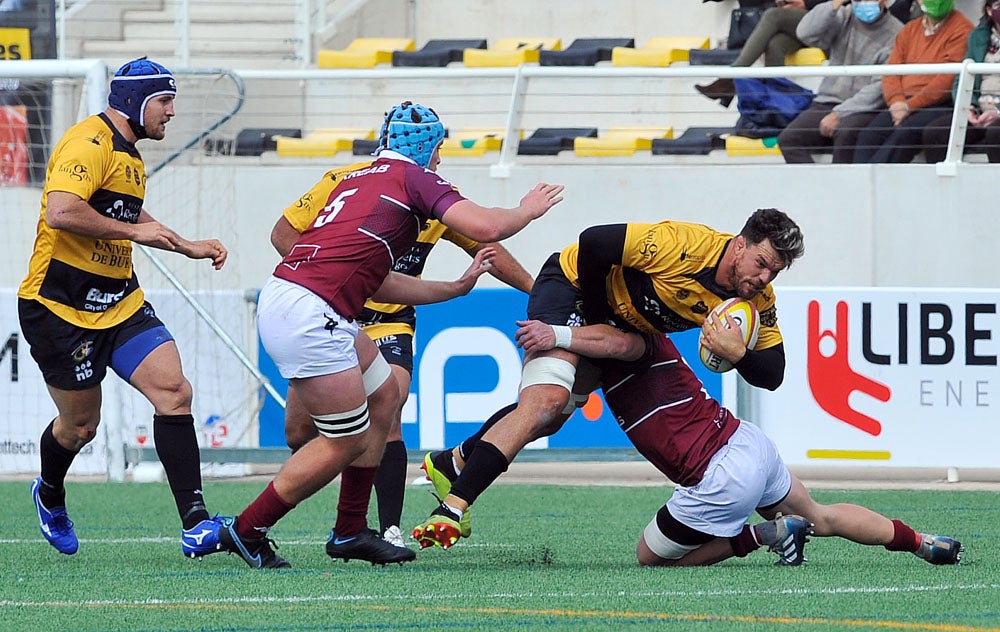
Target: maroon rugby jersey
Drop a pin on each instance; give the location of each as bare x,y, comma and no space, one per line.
371,218
664,409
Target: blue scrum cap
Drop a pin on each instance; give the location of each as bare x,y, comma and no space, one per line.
412,130
133,85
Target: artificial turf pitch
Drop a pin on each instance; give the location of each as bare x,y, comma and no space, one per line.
541,557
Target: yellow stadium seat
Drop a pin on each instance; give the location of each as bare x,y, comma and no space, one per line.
326,141
806,57
743,146
473,141
364,52
510,51
621,141
658,51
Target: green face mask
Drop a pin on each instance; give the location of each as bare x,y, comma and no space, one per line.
937,9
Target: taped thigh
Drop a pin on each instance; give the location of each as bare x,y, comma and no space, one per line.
548,370
663,546
376,374
345,424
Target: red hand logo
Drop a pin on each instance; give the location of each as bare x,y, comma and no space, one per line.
831,378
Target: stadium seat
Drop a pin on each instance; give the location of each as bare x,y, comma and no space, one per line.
473,141
323,142
584,52
436,52
695,141
254,141
510,51
363,52
807,56
658,51
549,141
621,141
743,146
712,57
364,146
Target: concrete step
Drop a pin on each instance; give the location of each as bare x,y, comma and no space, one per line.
160,47
212,12
228,32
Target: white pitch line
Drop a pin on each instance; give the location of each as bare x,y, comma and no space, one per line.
409,598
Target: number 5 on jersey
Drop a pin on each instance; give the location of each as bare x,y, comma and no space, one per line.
334,206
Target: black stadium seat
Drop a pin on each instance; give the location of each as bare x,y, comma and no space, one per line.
549,141
363,147
584,52
713,57
695,141
436,52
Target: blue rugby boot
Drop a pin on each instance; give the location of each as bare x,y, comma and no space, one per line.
939,549
786,536
203,538
54,523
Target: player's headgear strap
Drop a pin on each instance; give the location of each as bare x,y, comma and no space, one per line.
412,130
133,85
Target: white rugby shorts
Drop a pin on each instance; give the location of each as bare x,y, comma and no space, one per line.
745,474
301,332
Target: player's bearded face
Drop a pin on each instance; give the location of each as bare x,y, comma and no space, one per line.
159,110
754,266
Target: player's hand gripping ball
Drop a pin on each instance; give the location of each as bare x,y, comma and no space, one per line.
746,316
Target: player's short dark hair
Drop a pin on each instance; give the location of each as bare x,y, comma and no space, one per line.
773,225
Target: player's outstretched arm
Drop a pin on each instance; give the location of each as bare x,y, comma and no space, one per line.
403,289
495,224
592,341
506,268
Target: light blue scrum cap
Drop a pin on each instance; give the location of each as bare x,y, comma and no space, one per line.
412,130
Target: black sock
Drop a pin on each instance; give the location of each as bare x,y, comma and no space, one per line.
390,484
470,444
444,462
177,447
55,463
485,465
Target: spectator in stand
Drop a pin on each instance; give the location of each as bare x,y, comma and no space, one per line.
896,133
773,37
983,46
855,34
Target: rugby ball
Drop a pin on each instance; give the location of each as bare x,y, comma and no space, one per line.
746,316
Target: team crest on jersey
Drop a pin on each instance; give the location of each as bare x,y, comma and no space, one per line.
699,308
682,294
769,317
83,351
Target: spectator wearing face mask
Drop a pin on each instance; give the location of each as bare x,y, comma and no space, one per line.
983,129
914,101
855,33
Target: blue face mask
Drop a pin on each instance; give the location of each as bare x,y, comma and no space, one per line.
867,12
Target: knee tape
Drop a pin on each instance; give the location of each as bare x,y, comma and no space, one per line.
548,371
663,546
343,424
376,374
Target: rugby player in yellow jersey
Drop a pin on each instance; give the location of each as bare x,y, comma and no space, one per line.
649,278
391,327
81,308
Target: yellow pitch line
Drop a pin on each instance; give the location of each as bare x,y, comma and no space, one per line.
857,455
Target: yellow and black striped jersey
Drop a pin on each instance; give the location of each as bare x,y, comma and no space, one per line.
378,319
666,281
86,281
